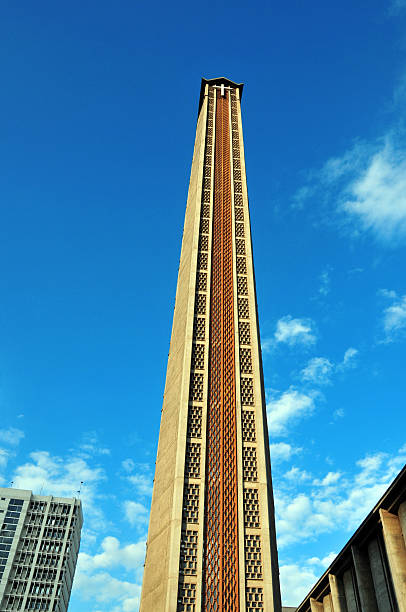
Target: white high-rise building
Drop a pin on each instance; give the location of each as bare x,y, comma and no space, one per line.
39,545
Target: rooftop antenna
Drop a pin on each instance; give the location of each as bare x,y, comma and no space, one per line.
80,488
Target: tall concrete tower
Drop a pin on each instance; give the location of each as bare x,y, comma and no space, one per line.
211,541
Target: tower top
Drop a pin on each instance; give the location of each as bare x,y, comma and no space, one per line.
218,81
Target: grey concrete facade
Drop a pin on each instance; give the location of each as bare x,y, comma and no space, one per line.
39,545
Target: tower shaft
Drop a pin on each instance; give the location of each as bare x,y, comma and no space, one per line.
211,541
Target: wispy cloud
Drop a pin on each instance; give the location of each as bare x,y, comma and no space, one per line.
325,282
11,436
292,331
282,451
366,186
94,580
61,476
136,513
339,502
394,316
320,370
288,407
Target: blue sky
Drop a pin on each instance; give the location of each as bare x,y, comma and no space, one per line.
99,105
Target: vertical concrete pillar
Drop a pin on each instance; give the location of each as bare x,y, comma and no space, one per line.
327,603
396,551
379,577
349,590
337,594
402,519
316,606
364,581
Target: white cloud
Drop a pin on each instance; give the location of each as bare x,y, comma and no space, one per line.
325,562
130,556
91,445
329,479
349,356
286,408
296,475
318,370
4,457
293,331
377,196
128,465
11,436
53,475
104,588
298,578
394,316
142,483
135,513
325,282
282,451
93,582
296,582
339,503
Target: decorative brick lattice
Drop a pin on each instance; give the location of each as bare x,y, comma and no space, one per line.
239,230
200,306
207,159
237,175
198,357
241,265
194,422
202,261
207,171
255,599
238,199
245,334
191,503
236,163
201,281
205,210
253,562
199,330
249,462
192,460
247,392
186,597
240,247
242,285
243,309
203,243
239,214
245,361
248,426
251,508
206,183
204,229
196,387
236,150
206,196
188,553
238,187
